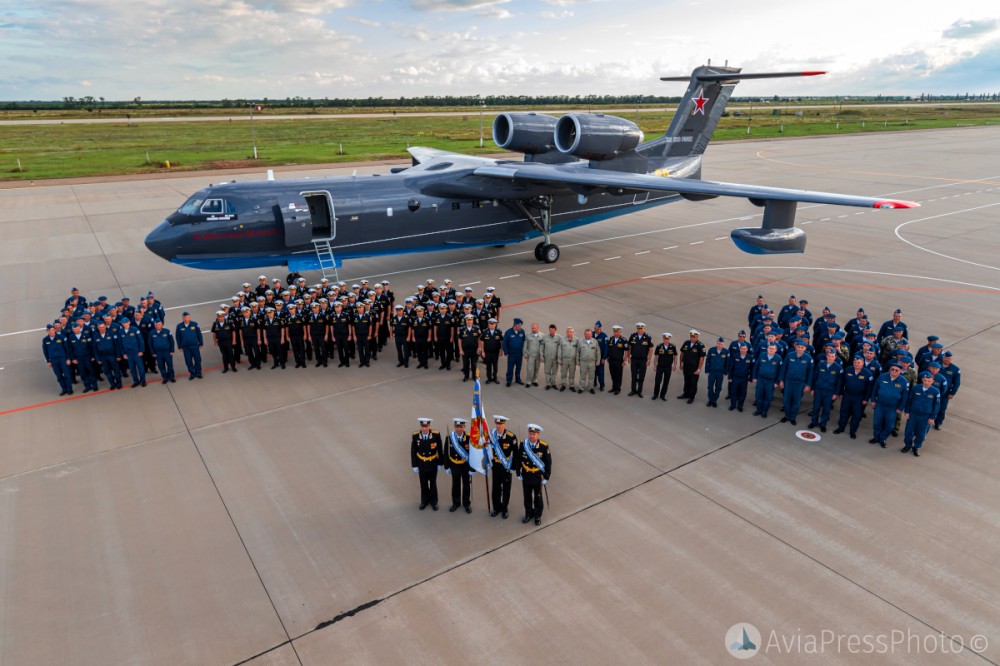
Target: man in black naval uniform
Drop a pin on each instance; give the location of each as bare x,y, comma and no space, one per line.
421,329
399,327
617,347
503,446
318,332
492,339
425,457
249,337
666,363
340,322
533,463
273,330
692,358
472,346
361,330
639,346
444,332
225,337
456,464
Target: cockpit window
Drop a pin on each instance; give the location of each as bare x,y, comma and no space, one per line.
201,204
193,205
212,207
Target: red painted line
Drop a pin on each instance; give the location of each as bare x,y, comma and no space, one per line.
576,292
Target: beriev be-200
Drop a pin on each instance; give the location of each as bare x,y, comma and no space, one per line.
577,169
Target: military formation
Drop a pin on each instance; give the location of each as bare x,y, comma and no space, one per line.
529,460
787,355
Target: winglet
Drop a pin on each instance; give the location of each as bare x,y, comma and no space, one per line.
892,203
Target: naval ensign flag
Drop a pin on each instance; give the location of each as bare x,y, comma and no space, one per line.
479,432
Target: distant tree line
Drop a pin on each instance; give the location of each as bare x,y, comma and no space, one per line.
99,104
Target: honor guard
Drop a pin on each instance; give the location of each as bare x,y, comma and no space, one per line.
189,339
665,354
456,464
533,463
503,446
425,456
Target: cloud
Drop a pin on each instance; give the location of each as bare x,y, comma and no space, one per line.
363,21
566,13
970,29
86,84
454,5
496,13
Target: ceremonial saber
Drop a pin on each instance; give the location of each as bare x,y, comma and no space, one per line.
547,502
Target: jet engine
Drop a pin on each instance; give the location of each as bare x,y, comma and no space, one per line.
528,133
595,136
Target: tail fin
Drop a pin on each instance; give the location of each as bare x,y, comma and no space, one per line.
708,92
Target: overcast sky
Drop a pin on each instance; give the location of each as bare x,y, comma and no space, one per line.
213,49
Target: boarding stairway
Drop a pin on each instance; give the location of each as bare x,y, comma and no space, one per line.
327,262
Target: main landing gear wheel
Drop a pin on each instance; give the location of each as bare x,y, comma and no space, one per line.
538,251
292,277
550,254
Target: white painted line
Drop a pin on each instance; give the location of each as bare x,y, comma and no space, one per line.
722,238
696,243
505,277
825,219
744,219
582,263
672,247
643,252
545,270
945,256
808,222
861,213
839,217
612,258
469,284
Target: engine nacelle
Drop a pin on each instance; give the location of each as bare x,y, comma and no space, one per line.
595,136
528,133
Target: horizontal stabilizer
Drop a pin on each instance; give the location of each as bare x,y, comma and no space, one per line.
733,77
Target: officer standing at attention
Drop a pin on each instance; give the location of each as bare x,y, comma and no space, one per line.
456,464
340,322
796,375
569,359
533,355
740,370
602,341
640,346
922,408
161,346
513,348
444,335
856,390
492,340
81,354
666,363
295,331
692,359
107,350
57,355
399,327
421,331
550,356
425,456
503,446
361,327
189,339
617,350
274,332
889,399
472,347
954,376
590,354
716,366
318,332
826,385
533,463
133,349
766,374
224,334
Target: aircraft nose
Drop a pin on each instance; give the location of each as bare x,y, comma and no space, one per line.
159,243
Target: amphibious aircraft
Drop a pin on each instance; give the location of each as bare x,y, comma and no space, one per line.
577,169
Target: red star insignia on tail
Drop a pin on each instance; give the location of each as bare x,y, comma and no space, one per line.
699,103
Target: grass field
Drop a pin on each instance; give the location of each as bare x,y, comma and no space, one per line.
61,151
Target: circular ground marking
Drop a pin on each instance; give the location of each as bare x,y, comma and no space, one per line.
808,436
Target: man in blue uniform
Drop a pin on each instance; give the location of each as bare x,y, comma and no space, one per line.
133,349
826,383
796,374
856,390
889,399
766,373
81,354
161,346
922,407
717,367
107,351
954,376
602,341
740,371
513,349
57,355
189,339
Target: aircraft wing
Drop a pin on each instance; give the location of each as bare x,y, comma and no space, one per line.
688,187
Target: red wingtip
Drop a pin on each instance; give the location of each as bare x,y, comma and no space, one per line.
890,203
817,73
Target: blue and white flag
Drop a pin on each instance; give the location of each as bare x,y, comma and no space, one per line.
478,433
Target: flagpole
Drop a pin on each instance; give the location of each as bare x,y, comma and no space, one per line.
548,504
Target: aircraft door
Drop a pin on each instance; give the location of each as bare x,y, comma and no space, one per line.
297,221
322,213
